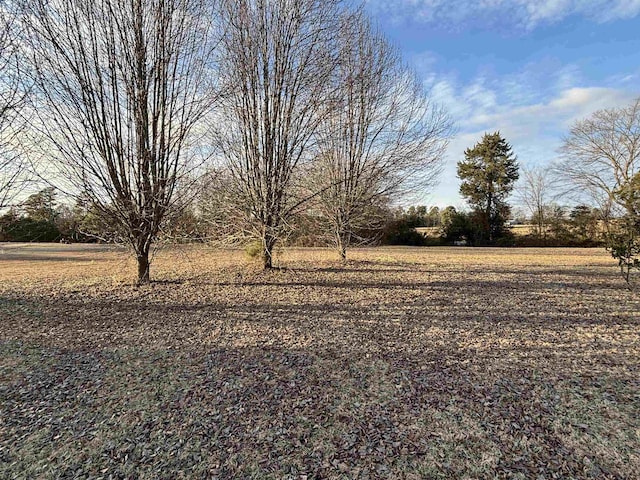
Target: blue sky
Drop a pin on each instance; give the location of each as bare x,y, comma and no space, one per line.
528,68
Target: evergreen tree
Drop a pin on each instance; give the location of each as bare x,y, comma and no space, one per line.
488,174
42,206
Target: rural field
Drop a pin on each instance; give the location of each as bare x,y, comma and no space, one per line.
405,363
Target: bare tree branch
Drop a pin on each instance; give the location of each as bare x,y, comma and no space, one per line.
601,155
383,135
277,60
12,100
122,86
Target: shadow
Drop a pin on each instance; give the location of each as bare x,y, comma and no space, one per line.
466,286
353,270
386,312
22,257
162,282
279,412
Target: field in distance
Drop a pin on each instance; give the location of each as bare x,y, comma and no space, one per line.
404,363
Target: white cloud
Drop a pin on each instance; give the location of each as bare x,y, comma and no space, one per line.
533,123
526,13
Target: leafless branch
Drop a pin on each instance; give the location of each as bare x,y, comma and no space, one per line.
601,155
13,93
121,89
383,136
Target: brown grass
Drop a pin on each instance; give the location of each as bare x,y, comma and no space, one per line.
404,363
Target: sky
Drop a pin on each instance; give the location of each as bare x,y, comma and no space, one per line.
526,68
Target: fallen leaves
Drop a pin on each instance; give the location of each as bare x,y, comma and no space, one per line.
425,363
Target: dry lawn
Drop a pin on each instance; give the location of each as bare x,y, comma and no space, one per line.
405,363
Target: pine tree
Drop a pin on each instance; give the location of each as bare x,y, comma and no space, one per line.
488,174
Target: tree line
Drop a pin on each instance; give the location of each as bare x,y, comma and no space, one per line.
240,121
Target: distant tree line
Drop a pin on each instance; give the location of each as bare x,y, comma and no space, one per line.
578,226
43,218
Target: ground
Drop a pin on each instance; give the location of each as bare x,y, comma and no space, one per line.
405,363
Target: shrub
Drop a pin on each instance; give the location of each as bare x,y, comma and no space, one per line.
254,249
400,232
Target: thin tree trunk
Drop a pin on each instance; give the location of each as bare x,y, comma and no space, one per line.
143,267
343,240
489,219
268,242
343,253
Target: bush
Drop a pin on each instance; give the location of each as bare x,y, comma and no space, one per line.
400,232
537,241
625,247
20,229
254,249
506,240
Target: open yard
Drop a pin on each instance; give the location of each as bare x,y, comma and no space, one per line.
402,364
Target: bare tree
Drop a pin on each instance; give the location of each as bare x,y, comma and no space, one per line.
277,60
536,192
601,155
121,88
382,136
12,100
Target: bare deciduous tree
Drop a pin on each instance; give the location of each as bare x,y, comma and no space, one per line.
277,60
601,155
121,86
382,135
535,192
12,99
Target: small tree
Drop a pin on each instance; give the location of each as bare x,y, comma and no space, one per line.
584,220
120,87
535,192
383,135
624,244
488,174
277,61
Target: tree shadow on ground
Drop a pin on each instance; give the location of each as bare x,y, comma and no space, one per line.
277,412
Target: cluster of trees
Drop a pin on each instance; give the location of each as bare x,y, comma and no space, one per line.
598,168
258,120
133,107
564,226
43,218
488,174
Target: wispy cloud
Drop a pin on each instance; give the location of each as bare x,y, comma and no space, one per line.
526,14
531,118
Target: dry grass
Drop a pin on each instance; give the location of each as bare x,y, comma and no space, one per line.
405,363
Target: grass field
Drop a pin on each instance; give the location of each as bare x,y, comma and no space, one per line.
402,364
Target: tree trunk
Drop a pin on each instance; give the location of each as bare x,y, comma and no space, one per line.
267,259
343,240
343,253
489,218
143,267
268,242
